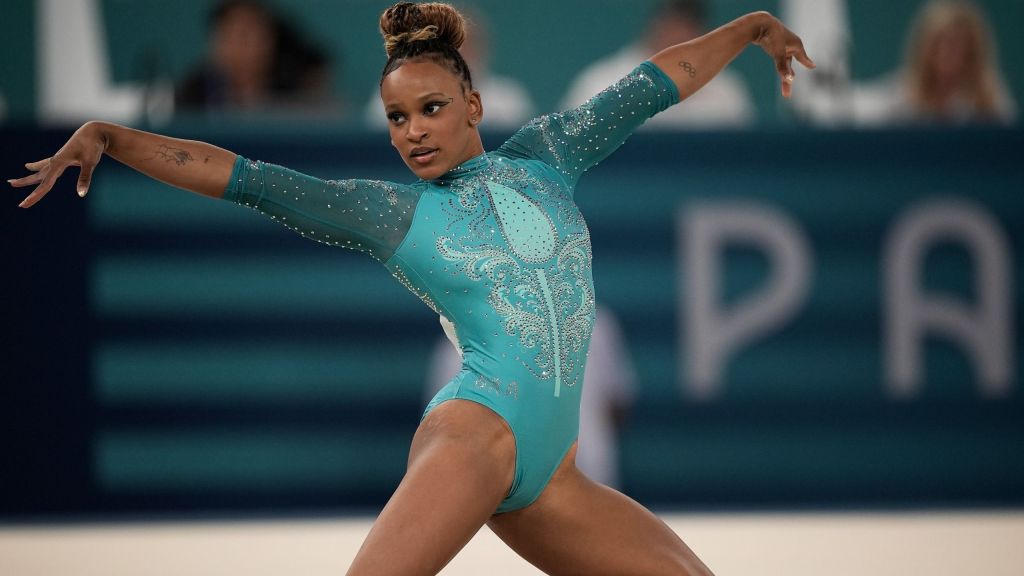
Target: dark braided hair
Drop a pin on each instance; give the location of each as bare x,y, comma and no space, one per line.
431,31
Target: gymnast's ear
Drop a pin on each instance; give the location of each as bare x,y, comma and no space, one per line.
475,106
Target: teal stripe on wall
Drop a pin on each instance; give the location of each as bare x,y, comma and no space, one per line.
792,457
122,198
247,460
268,374
264,287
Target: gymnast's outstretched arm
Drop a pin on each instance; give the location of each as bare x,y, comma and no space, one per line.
575,140
367,215
195,166
693,64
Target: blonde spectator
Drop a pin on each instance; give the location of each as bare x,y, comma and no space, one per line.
950,73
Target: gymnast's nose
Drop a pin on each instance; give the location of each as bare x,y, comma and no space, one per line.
417,130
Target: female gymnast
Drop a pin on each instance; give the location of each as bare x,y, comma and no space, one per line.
493,242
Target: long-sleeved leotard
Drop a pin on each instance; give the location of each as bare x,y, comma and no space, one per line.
498,248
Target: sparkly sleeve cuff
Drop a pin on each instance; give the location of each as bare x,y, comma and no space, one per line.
236,190
663,81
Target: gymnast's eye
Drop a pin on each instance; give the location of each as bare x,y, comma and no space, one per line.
433,107
396,118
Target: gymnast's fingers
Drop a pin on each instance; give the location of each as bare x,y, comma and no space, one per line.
785,69
802,57
38,165
51,174
26,180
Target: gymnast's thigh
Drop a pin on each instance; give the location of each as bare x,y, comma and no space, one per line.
577,526
460,468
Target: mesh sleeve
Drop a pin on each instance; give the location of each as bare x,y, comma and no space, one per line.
574,140
371,216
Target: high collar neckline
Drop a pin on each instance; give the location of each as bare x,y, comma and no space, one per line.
474,165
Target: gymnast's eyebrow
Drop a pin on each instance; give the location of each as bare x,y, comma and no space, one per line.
422,98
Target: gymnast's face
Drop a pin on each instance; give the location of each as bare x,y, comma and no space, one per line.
432,117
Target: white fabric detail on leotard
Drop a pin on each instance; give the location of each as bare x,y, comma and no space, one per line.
449,331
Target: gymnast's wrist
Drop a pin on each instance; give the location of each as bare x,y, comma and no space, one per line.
100,131
755,25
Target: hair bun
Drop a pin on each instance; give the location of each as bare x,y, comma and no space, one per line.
407,22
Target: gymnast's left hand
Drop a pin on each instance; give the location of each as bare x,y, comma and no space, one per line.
782,45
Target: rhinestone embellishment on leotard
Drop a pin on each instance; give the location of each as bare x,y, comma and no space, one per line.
539,283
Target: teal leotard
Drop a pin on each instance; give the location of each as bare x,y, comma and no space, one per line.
499,249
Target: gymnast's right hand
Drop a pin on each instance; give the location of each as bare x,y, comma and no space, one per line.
84,149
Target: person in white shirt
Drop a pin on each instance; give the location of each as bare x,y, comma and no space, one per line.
724,102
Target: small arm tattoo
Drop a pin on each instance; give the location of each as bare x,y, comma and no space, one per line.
172,154
689,69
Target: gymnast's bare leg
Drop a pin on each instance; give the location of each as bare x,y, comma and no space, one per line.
578,526
461,466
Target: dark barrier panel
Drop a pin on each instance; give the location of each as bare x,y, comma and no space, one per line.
817,319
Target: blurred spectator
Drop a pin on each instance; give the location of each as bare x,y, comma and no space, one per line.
950,74
257,62
723,102
608,385
507,103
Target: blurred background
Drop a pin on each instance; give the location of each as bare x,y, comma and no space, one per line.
812,305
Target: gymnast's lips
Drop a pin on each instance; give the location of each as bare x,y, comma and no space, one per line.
422,154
